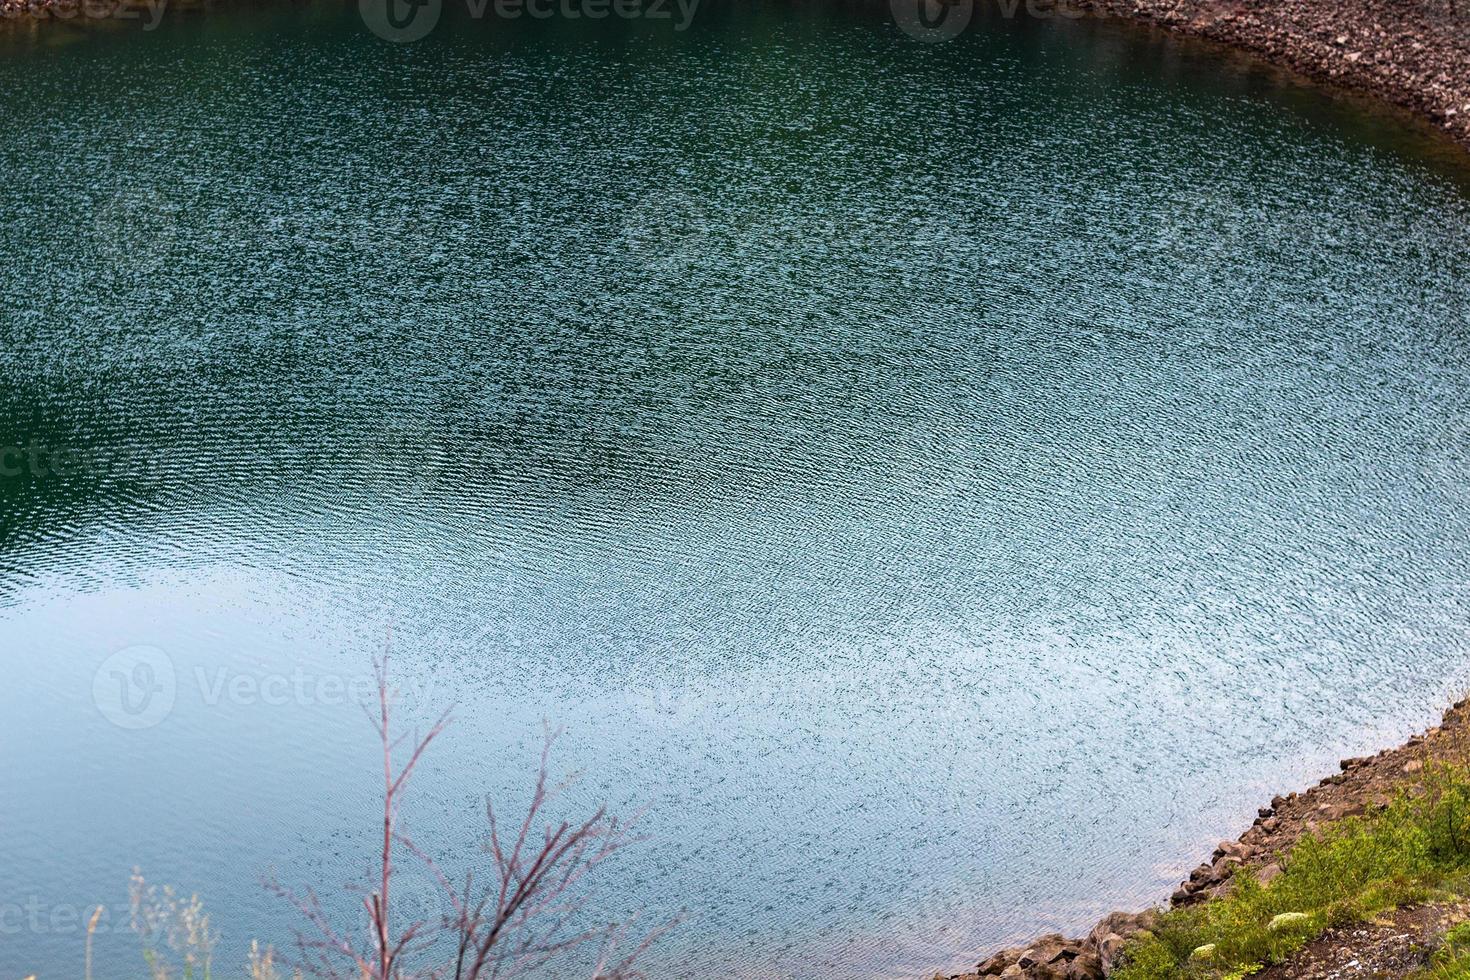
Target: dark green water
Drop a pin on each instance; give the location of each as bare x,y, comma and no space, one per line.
950,484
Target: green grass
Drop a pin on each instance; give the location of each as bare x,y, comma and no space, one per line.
1417,849
1452,961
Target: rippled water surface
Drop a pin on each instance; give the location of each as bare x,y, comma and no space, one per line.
948,485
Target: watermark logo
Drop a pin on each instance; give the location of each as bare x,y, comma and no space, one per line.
401,21
140,686
406,21
135,688
932,21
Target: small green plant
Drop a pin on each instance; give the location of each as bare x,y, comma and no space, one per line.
1413,850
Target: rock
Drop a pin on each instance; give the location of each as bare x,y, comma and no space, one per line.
1013,971
1110,951
1047,950
1332,812
1224,868
1123,924
1289,922
1269,873
1203,954
1087,966
1235,849
1107,939
1414,765
996,965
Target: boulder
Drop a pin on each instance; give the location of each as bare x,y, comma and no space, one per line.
1110,952
996,965
1123,924
1047,950
1087,966
1269,873
1234,849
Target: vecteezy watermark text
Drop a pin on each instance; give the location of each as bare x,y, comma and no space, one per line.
137,687
405,21
932,21
38,459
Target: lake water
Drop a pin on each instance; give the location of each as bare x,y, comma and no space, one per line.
949,485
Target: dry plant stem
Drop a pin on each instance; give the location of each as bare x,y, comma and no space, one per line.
517,923
378,905
381,962
91,931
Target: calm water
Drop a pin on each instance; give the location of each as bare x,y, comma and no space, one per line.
949,485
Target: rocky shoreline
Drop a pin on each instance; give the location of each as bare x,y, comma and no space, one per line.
1413,53
1360,785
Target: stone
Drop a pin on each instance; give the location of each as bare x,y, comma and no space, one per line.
1235,849
996,965
1123,924
1203,954
1087,966
1110,951
1046,951
1269,873
1414,765
1224,868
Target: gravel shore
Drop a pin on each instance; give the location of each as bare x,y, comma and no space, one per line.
1414,53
